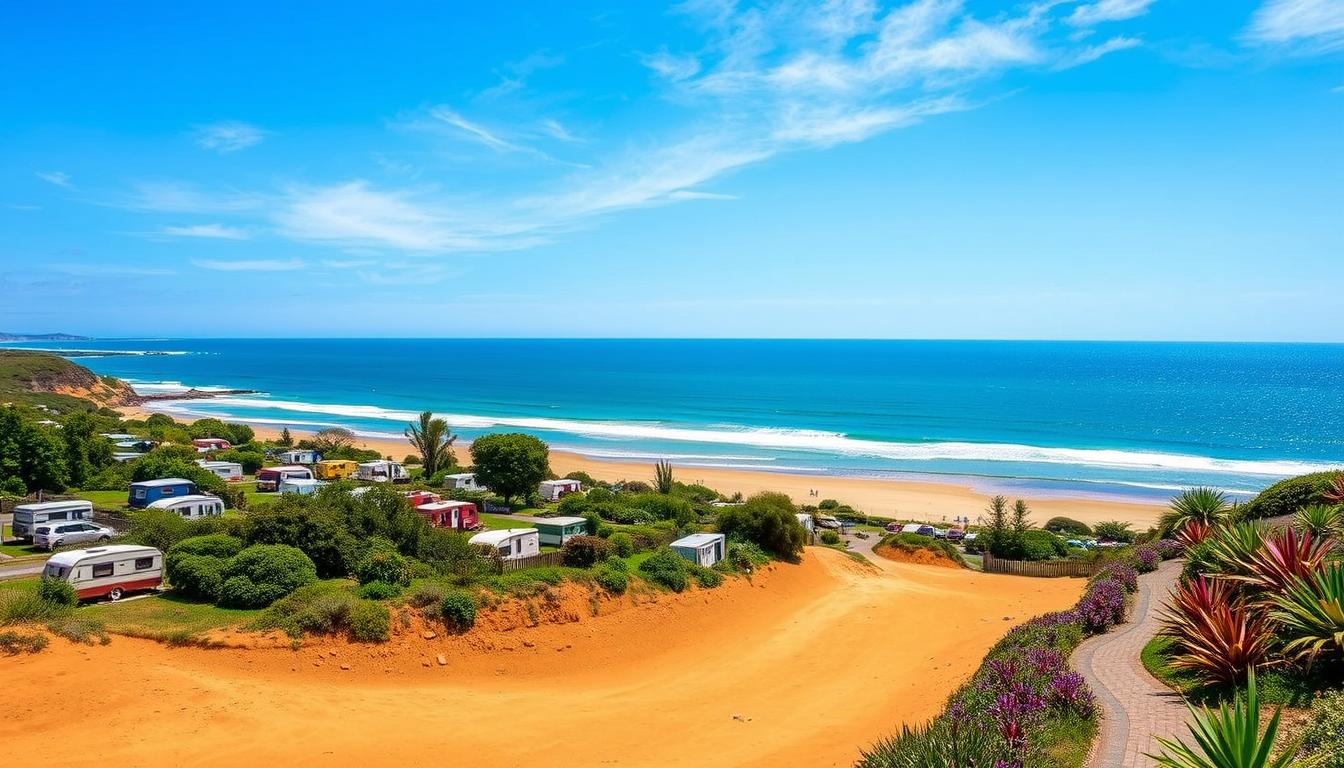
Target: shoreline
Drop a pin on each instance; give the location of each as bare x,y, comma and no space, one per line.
926,501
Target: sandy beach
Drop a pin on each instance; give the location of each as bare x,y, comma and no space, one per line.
925,501
803,667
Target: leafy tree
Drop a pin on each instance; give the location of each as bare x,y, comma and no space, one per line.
662,477
1020,519
286,439
768,520
1113,530
178,461
209,428
320,532
1068,525
510,464
33,454
239,434
333,441
434,440
997,531
85,452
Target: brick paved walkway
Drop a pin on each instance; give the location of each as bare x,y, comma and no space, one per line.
1135,707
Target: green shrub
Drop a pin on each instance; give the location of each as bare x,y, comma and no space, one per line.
1287,496
210,545
57,592
79,628
370,622
378,590
612,577
708,577
1042,545
14,643
382,563
425,595
22,604
196,577
264,573
583,551
621,544
458,610
909,542
667,568
1113,530
1067,525
620,513
830,538
159,528
768,519
664,507
1323,737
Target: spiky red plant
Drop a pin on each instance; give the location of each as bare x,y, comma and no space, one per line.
1218,635
1285,554
1193,532
1335,492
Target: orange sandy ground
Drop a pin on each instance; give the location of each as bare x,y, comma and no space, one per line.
916,556
931,502
818,660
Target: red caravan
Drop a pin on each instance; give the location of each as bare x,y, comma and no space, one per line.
111,571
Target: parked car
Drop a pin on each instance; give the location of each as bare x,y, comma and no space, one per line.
826,521
955,534
894,527
53,535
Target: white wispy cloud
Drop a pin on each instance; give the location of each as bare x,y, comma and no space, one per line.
180,197
228,136
474,131
671,67
347,263
59,178
218,231
250,265
1093,52
552,127
1088,14
1316,26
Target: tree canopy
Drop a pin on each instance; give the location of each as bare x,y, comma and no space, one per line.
510,464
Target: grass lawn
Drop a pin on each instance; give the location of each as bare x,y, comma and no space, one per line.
104,499
1070,742
1289,688
508,521
166,617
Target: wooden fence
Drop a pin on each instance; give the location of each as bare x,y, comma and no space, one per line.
545,558
1044,568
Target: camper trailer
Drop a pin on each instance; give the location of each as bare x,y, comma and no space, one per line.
382,471
111,571
462,481
268,478
207,444
28,516
230,471
418,498
298,456
557,530
510,543
552,490
459,515
701,548
192,507
147,492
300,485
335,469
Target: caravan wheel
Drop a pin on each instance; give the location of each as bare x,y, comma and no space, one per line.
115,594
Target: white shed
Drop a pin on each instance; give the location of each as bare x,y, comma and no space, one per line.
702,548
510,543
231,471
462,481
552,490
805,520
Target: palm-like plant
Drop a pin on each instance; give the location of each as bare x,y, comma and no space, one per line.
1218,635
1231,738
1334,493
1310,613
1284,555
1194,532
1318,520
1205,505
662,476
1231,547
433,439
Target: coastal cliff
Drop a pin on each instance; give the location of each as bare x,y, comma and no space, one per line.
42,378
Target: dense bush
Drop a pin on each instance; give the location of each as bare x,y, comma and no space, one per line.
744,556
303,522
1147,557
1323,738
620,513
57,592
382,563
769,520
370,622
707,577
264,573
378,590
664,507
1067,525
458,610
1113,530
583,551
667,568
1041,545
830,538
427,594
612,576
909,542
1288,496
219,545
621,544
196,577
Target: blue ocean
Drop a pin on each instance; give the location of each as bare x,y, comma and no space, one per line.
1104,419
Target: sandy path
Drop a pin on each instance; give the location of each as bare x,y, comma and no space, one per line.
823,658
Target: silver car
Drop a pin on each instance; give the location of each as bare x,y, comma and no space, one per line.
53,535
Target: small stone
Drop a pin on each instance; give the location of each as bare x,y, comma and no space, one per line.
529,644
443,660
345,667
425,663
333,653
429,635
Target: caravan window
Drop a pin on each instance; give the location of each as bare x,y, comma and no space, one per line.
102,569
139,493
144,563
505,550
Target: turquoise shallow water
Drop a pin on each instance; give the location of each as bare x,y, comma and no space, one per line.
1112,419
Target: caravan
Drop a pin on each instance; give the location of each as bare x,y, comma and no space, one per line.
109,571
510,543
192,507
229,471
459,515
269,478
28,516
382,471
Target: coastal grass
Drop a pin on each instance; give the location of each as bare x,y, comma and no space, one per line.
166,617
1287,687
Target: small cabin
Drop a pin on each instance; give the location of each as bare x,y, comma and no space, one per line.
109,571
418,498
805,520
553,490
335,469
302,486
28,516
230,471
557,530
269,478
459,515
382,471
192,507
510,543
701,548
462,481
147,492
298,456
206,444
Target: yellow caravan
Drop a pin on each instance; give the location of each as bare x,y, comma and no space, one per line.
335,469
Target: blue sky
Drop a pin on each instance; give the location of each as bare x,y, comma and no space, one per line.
1106,169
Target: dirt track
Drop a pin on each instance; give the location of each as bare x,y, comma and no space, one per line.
802,669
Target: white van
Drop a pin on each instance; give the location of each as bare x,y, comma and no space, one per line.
28,516
110,571
192,507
